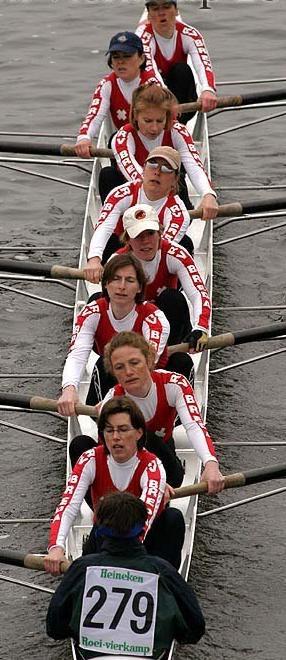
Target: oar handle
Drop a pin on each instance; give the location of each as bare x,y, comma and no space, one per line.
231,481
35,562
235,338
236,479
224,211
69,150
222,102
236,100
54,271
42,403
50,149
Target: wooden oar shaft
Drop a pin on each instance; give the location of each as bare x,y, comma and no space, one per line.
236,100
237,208
235,338
41,403
54,271
49,149
254,476
35,562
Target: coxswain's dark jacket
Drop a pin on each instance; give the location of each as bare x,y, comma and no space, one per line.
178,613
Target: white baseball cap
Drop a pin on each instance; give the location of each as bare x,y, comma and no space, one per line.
138,218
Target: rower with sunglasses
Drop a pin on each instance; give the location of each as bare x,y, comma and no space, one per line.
170,43
158,188
114,92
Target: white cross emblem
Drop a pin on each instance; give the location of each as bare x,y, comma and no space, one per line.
121,114
160,433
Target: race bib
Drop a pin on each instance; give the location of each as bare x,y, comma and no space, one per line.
118,613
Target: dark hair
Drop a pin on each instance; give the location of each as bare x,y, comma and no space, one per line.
122,404
121,512
141,67
120,261
150,95
132,339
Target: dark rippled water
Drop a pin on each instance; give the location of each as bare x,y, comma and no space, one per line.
51,56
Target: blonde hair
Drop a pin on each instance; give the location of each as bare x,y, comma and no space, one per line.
152,95
132,339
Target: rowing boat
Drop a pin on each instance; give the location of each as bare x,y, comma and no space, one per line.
201,234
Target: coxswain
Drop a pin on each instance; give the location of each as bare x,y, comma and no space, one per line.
122,598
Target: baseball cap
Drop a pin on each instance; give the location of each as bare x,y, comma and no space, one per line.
138,218
160,2
169,154
126,42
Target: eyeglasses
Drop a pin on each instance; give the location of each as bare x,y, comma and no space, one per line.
121,56
121,430
154,165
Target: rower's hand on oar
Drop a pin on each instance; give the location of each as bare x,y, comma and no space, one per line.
208,207
82,148
197,341
93,270
208,101
213,476
169,492
52,562
67,401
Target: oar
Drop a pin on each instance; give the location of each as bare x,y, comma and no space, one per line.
241,208
237,479
238,99
41,403
55,271
236,338
35,562
50,149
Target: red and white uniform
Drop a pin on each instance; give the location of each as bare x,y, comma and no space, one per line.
172,213
185,41
112,95
142,475
172,263
171,394
96,325
131,149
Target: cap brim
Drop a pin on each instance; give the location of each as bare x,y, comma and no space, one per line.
122,48
133,232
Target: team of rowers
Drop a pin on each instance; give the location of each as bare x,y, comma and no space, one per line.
141,255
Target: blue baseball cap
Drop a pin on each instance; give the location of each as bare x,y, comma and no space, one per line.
125,42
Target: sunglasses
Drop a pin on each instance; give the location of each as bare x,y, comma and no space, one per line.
154,165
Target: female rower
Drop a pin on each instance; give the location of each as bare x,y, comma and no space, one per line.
152,125
170,42
119,463
161,395
121,307
114,92
158,188
165,264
